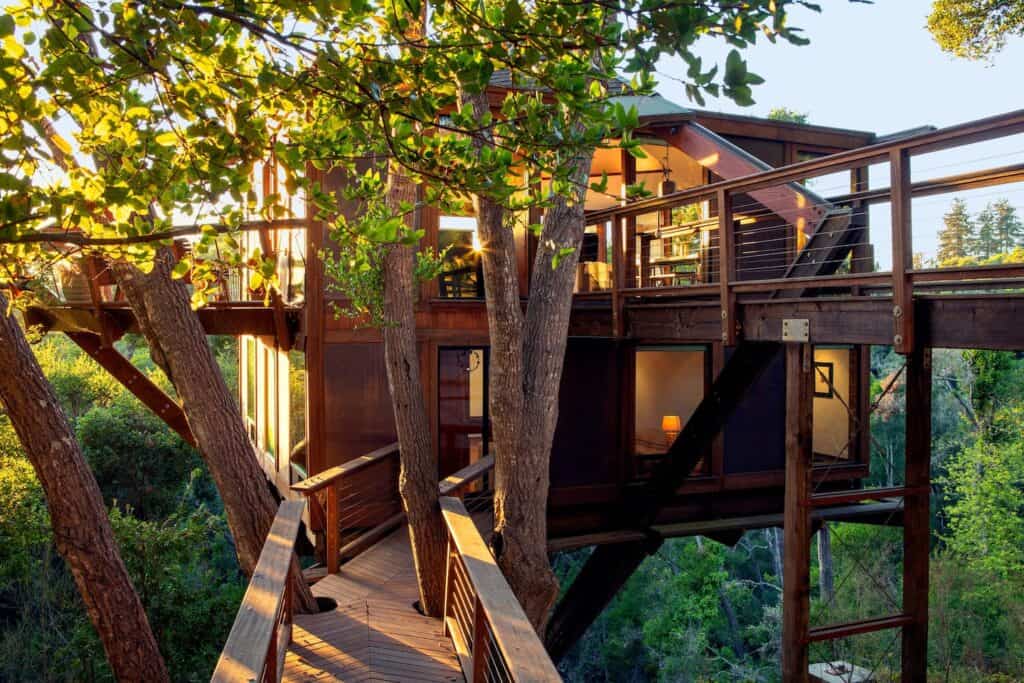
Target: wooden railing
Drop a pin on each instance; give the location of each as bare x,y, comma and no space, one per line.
821,264
256,647
353,505
493,638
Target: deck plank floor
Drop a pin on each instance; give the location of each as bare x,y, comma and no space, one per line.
374,634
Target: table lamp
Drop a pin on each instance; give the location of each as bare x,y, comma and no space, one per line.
671,425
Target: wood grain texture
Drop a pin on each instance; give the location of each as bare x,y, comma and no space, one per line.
245,655
374,633
916,516
521,649
797,523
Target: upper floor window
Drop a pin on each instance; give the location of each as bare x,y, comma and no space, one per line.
463,274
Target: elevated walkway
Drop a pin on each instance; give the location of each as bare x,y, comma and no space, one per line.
374,634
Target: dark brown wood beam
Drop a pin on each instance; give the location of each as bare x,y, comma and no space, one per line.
216,319
608,568
916,520
143,388
796,561
605,572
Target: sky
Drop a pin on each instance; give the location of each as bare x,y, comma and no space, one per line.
876,68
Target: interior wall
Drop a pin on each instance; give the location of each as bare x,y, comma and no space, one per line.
669,381
831,418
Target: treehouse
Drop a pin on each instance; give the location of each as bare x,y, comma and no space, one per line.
716,379
624,397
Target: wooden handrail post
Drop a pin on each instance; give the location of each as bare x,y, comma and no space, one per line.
726,266
902,253
449,558
479,643
333,532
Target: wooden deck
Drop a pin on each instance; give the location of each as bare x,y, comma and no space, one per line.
375,634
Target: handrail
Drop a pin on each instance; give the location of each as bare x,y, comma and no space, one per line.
453,485
360,515
329,476
256,647
492,635
842,232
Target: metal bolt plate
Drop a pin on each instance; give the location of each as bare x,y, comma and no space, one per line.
796,330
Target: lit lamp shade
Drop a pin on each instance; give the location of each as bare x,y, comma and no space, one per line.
671,425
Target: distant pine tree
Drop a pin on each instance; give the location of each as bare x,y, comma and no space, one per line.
1009,230
985,243
957,236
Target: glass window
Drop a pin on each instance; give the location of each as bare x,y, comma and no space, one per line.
297,414
832,436
463,275
462,407
250,379
270,404
669,386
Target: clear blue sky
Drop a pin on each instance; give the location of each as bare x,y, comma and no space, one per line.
871,67
876,68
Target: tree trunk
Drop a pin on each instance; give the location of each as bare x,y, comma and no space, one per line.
81,528
418,477
526,358
826,576
178,345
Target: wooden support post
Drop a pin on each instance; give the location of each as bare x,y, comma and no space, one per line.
726,267
796,521
333,532
479,648
448,587
916,519
605,572
902,253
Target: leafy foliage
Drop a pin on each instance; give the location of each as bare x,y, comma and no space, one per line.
175,543
975,29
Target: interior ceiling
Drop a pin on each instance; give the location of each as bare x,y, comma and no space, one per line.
649,171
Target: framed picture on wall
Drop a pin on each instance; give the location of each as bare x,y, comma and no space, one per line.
824,379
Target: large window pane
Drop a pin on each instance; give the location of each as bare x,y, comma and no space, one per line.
831,399
462,277
669,386
462,407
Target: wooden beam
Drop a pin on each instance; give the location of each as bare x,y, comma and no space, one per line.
742,369
916,520
792,202
726,267
853,628
605,572
887,513
121,369
608,568
902,253
797,527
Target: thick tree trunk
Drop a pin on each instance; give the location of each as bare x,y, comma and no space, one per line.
527,355
178,345
81,528
418,477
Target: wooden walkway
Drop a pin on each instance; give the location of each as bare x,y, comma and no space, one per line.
375,634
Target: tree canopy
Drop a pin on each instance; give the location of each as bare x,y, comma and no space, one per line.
975,29
120,120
